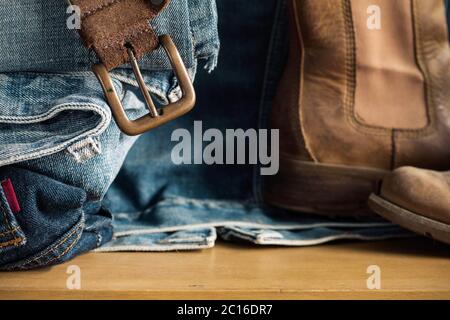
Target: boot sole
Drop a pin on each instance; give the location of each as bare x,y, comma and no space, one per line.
410,220
327,190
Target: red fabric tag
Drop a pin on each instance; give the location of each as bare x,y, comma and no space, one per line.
11,197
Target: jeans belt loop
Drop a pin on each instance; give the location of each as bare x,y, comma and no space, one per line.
126,41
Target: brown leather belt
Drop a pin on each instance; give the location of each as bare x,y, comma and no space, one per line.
119,32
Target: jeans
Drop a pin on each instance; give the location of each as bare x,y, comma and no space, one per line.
447,4
83,185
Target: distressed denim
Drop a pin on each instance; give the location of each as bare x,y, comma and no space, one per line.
82,185
58,144
35,36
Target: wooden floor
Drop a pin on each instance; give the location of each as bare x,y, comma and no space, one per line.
410,269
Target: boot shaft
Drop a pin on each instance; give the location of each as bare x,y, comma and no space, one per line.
367,84
366,89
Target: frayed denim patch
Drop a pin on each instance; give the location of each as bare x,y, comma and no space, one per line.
43,114
85,149
192,239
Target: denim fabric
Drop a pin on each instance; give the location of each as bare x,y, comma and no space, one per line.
447,3
174,207
62,151
35,36
58,143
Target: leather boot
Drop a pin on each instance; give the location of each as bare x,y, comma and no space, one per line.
416,199
366,90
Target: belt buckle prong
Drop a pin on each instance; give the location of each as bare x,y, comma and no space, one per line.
154,118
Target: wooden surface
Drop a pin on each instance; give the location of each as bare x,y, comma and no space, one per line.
410,269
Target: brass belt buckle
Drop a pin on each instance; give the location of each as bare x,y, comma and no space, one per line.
154,118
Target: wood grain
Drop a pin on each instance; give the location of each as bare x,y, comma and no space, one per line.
410,269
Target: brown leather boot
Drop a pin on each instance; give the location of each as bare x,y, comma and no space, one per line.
416,199
366,90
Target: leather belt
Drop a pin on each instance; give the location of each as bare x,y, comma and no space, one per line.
119,32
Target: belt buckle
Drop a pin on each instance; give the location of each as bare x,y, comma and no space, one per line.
154,118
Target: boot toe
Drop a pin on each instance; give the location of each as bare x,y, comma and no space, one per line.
424,192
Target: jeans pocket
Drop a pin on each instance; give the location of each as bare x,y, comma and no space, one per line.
59,252
42,114
11,235
42,220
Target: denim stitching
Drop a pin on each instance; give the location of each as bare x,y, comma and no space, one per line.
85,149
286,242
251,225
101,127
50,114
69,75
15,242
54,247
72,244
155,248
9,231
208,243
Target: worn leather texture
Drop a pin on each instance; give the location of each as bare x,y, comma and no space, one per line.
430,148
285,115
315,108
109,27
424,192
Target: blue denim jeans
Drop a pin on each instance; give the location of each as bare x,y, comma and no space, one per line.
447,4
83,185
